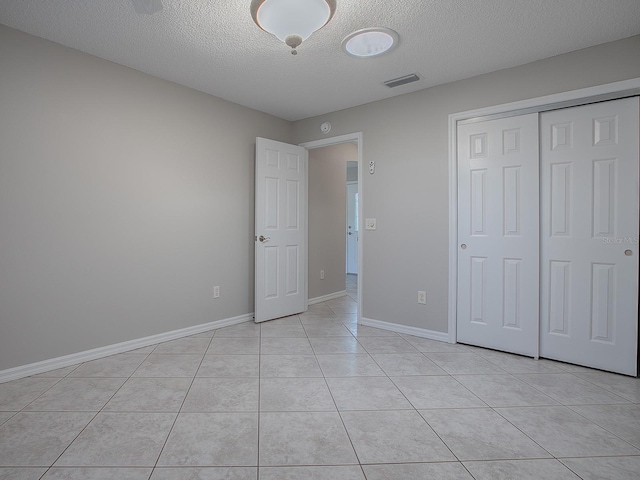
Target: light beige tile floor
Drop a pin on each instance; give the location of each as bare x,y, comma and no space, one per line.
316,396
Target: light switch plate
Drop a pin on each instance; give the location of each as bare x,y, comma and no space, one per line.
370,224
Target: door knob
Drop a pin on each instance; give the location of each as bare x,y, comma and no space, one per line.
628,253
350,233
463,246
263,239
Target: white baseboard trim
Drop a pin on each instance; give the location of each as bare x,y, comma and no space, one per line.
398,328
326,298
75,358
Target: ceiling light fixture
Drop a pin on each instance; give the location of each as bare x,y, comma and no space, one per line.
370,42
292,21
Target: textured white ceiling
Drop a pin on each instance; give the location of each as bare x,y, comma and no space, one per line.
214,46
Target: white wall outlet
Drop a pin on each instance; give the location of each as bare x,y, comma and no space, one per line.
422,297
321,274
216,292
370,224
372,167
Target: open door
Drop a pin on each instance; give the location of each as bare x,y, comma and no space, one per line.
281,229
352,228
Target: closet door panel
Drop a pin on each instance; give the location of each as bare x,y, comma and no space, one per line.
498,260
589,235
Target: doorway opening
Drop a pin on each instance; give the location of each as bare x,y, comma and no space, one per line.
352,231
335,251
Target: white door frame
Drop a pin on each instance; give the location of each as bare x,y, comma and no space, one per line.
325,142
573,98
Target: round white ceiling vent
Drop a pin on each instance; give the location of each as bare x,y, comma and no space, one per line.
370,42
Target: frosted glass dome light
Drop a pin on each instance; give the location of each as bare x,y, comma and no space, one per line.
292,21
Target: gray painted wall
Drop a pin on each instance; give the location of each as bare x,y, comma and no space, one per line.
123,200
407,137
328,217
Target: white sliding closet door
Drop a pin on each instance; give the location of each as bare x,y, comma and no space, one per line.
498,251
589,235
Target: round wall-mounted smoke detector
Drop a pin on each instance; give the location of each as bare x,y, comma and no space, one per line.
325,127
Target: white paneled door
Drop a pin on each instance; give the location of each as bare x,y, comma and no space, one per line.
498,218
280,229
589,241
352,228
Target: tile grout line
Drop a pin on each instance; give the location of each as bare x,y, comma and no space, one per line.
175,420
324,377
259,399
421,416
569,405
601,426
97,413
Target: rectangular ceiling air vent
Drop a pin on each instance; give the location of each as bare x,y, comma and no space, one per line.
396,82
